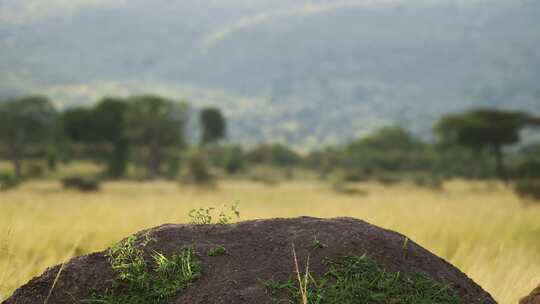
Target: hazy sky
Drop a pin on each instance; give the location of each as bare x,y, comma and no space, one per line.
23,11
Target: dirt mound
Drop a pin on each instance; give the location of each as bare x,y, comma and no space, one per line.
532,298
237,262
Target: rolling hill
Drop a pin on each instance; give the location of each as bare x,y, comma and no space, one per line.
304,72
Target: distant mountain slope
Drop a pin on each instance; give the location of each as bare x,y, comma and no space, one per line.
302,72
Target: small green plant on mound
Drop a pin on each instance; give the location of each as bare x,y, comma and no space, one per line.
140,282
204,216
316,244
201,216
352,280
217,251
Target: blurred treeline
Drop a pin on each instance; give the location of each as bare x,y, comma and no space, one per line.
144,137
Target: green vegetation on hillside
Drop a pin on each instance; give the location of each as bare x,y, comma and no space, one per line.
140,282
359,279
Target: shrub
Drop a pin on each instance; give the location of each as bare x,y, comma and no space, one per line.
34,170
235,161
528,188
387,180
343,187
529,169
288,173
173,167
355,176
431,182
216,155
198,172
8,181
52,160
265,179
81,184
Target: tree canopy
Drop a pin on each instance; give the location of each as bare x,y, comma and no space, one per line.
109,119
24,122
104,123
478,128
155,123
387,149
389,138
213,125
79,125
483,128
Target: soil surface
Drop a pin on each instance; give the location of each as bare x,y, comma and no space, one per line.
255,250
532,298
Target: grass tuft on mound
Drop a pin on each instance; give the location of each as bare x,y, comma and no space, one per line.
217,251
140,283
360,280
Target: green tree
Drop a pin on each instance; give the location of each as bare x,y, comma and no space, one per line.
213,125
79,124
155,123
25,122
480,129
391,138
274,154
102,124
109,116
387,149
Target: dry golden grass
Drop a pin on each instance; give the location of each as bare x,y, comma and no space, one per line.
481,228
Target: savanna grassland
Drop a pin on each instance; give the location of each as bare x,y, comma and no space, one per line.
482,228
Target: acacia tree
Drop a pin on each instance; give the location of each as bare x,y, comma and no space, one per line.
155,123
213,125
479,129
25,122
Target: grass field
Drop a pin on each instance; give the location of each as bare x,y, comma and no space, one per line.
480,227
